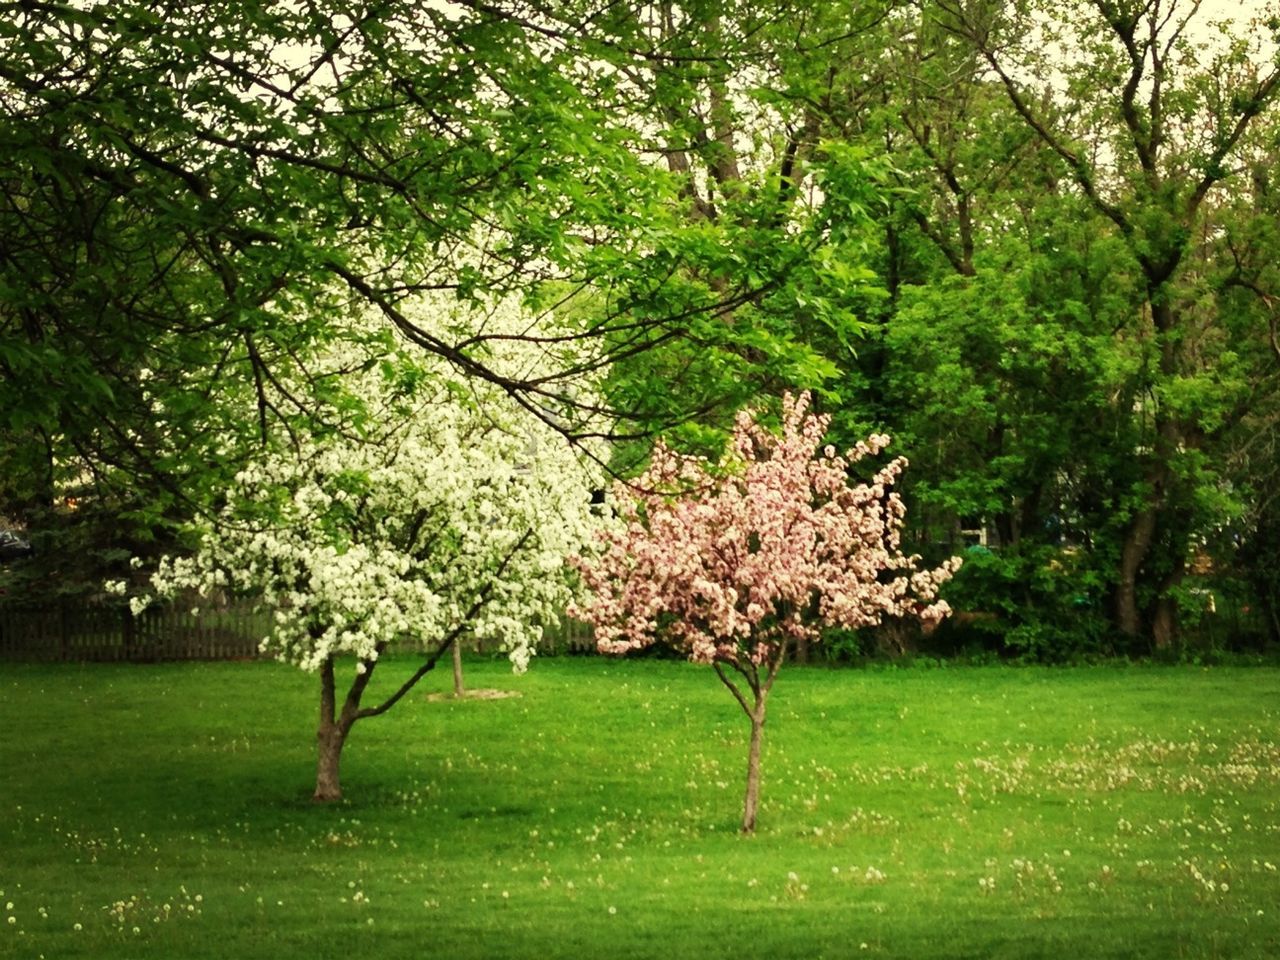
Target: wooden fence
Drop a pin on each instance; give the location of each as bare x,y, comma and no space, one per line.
569,636
71,631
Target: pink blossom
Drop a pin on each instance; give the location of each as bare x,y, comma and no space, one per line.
772,545
734,564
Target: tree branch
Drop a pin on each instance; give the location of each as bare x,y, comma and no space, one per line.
1140,132
1213,171
459,628
1080,168
733,687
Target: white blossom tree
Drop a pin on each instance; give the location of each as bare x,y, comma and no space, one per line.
439,510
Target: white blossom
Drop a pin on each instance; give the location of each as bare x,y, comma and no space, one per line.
445,503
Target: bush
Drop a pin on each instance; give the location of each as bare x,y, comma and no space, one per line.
1035,602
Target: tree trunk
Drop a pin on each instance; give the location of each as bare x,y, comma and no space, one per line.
1166,444
754,709
1164,622
330,738
1164,625
1155,515
458,688
751,803
1137,543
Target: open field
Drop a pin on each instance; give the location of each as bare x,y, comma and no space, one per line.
163,811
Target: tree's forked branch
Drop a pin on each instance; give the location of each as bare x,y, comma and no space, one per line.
450,639
733,687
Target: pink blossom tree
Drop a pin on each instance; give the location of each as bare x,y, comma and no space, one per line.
733,563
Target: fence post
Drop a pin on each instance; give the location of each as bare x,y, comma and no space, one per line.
127,629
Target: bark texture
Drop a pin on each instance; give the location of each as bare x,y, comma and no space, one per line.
459,688
751,803
330,739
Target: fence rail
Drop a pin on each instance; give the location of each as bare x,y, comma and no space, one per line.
71,632
568,636
100,632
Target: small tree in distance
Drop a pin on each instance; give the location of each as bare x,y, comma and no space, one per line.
730,564
434,513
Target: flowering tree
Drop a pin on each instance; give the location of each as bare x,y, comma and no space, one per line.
439,512
732,564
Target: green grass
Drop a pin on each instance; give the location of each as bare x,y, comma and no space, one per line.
163,811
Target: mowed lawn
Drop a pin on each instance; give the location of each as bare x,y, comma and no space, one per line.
163,811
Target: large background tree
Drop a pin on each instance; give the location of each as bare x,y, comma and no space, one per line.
1063,350
1174,115
199,187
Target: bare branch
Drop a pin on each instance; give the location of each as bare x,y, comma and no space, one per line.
733,687
459,628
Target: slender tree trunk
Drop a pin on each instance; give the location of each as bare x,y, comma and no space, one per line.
330,737
329,740
1137,543
335,725
459,689
1164,624
751,803
754,708
46,490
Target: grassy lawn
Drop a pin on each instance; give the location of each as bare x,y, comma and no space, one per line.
163,811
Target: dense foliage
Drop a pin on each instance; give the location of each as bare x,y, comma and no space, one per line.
1035,242
1080,351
